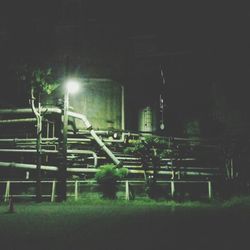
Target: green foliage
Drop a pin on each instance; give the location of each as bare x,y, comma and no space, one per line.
107,179
144,147
237,201
41,79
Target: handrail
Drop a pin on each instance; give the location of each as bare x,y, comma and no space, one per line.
76,183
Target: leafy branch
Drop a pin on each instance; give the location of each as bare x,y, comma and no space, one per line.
41,80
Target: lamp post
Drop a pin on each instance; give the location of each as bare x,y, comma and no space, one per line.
71,87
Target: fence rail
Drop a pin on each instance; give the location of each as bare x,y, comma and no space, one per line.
7,193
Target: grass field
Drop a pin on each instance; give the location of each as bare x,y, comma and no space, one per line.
114,225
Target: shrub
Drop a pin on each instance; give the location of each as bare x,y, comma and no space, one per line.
107,179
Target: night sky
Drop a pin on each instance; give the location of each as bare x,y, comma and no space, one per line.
197,46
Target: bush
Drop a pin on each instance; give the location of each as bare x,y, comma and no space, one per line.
107,179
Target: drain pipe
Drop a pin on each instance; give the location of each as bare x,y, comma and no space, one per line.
95,136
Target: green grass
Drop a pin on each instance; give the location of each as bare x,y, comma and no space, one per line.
114,225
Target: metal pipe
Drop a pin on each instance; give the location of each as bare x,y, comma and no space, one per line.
33,166
105,140
26,166
89,170
78,140
95,136
29,111
25,120
72,114
28,151
178,159
104,148
122,139
76,115
106,132
27,139
74,151
59,111
88,152
98,132
182,169
169,172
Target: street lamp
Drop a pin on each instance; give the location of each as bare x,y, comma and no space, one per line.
71,87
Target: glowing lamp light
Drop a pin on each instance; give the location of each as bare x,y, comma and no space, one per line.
72,86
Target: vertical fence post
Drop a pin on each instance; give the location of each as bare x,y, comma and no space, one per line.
172,174
179,175
172,188
232,168
76,190
7,191
209,189
52,199
127,191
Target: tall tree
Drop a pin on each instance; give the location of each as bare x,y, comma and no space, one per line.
39,80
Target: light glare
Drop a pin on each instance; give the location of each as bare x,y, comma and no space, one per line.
72,86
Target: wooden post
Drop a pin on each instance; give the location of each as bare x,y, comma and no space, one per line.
172,189
7,191
53,191
76,190
127,191
209,189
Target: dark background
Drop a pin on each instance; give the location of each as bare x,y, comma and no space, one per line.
203,50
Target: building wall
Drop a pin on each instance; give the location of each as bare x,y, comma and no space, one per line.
101,101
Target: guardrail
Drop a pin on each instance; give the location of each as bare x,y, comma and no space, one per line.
7,193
